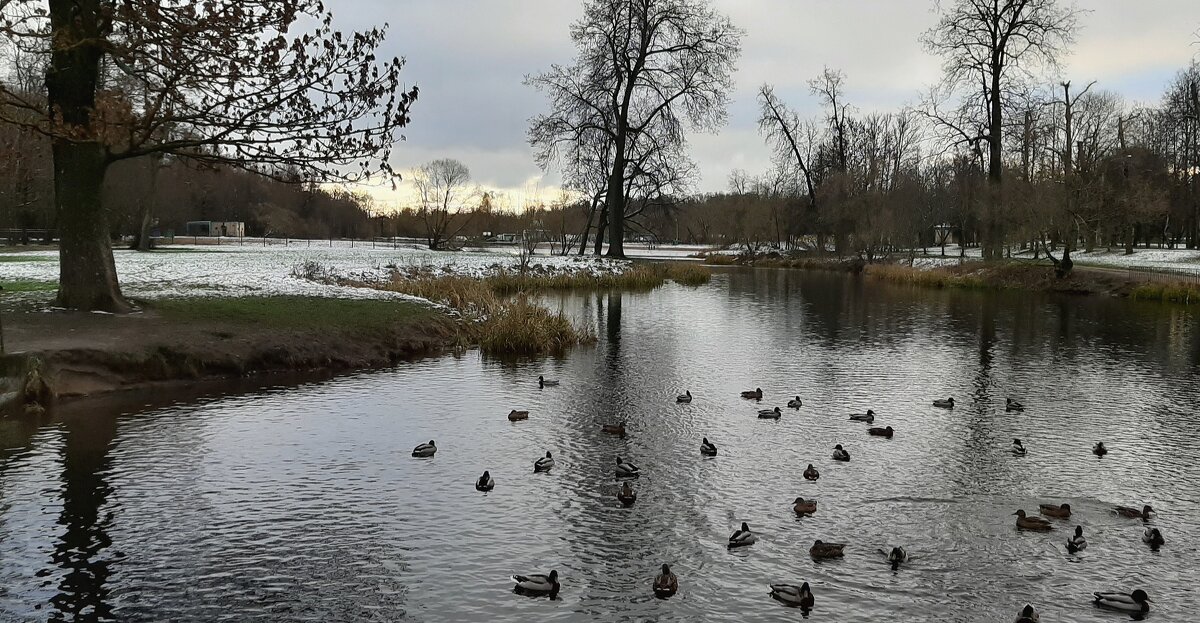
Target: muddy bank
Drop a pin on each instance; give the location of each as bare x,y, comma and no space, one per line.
55,357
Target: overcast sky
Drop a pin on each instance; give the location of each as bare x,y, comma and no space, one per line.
469,58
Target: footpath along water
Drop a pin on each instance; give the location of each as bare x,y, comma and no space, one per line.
302,503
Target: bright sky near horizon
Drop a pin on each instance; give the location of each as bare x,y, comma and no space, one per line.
469,58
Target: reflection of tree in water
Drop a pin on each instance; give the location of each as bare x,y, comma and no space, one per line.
83,590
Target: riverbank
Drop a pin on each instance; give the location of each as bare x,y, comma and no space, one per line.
1027,275
62,356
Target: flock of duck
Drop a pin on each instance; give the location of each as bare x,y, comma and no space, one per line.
666,583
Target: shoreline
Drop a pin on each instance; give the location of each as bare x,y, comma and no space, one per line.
1015,275
56,358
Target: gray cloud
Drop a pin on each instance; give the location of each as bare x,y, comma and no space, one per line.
470,56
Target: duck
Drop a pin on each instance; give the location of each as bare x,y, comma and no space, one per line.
543,382
685,397
742,536
538,583
485,482
665,583
944,404
1013,405
826,550
627,470
811,473
627,495
804,507
1137,601
881,432
897,556
1133,513
1153,537
1077,543
770,414
839,454
1099,449
543,464
794,595
867,417
1032,523
517,416
707,448
795,403
1028,615
425,449
753,395
1018,448
1060,511
614,429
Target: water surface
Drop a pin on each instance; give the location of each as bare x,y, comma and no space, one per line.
301,503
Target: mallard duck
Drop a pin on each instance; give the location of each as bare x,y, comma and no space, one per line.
1060,511
811,473
944,404
804,507
707,448
614,429
881,432
627,470
544,382
1028,615
538,583
543,464
1032,523
1018,448
425,449
665,583
795,403
627,496
1013,405
742,536
1077,543
897,556
1153,537
794,595
753,395
826,550
770,414
1133,513
1099,449
867,417
516,416
685,397
485,483
1137,601
839,454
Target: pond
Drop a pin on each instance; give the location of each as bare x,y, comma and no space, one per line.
302,502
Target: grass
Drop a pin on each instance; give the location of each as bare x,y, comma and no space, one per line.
1167,293
29,286
294,312
14,259
956,277
526,328
644,276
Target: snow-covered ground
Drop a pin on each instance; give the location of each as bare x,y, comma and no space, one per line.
181,271
1176,261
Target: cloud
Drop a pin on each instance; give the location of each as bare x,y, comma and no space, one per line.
470,58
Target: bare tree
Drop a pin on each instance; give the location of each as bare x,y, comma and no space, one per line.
792,142
444,192
645,68
236,82
988,48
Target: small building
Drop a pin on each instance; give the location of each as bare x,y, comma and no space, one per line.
506,238
226,229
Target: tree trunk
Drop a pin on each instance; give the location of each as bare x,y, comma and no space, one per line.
993,237
601,228
87,273
147,208
616,213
